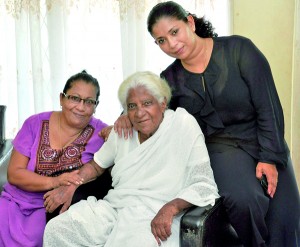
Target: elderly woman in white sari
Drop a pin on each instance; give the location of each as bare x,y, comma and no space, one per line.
159,173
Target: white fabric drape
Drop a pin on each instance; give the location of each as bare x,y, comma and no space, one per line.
44,42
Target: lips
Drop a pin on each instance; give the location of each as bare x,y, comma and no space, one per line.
179,51
142,121
79,115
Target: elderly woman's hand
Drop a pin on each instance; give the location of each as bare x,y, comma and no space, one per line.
60,196
271,173
123,123
161,224
67,178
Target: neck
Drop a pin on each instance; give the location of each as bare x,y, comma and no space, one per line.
66,134
199,59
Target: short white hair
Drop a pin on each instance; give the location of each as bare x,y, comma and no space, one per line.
156,86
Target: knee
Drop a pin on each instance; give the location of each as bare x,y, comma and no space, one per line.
50,229
247,203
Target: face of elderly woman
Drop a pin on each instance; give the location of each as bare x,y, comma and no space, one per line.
144,111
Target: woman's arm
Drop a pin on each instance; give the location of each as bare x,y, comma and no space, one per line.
162,222
64,194
256,72
20,176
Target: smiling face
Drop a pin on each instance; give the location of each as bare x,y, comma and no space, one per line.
78,114
144,111
175,37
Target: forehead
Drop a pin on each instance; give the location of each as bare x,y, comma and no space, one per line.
139,93
164,25
82,87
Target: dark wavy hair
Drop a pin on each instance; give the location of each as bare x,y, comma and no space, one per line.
83,75
204,28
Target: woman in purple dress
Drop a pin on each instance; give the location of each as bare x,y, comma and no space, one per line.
43,170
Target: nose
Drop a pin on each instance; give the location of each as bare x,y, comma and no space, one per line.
140,111
172,42
81,105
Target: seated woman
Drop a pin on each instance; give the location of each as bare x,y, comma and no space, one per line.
48,151
161,171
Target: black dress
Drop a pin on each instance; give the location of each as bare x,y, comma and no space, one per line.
238,109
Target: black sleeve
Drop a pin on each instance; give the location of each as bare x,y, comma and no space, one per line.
256,71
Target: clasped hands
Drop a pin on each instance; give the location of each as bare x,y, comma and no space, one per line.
63,191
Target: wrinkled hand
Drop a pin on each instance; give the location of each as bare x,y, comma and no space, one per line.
60,196
271,173
104,133
162,222
68,178
123,123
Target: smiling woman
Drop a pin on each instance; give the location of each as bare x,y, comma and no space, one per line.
144,106
47,153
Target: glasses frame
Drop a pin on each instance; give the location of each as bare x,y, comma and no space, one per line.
85,101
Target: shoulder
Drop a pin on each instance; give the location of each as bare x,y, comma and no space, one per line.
187,120
232,42
97,123
184,125
231,39
171,69
37,118
183,113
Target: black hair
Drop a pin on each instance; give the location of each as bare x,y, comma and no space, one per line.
204,28
83,75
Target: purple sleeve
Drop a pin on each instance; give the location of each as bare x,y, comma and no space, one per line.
95,143
26,137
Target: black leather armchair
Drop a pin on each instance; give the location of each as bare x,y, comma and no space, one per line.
207,227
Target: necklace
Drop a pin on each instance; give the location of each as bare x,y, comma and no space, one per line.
70,138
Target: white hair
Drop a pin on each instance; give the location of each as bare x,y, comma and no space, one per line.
155,85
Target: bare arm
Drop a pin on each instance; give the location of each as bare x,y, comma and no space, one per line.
162,222
20,176
64,194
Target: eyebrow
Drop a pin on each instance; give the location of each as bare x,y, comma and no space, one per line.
169,31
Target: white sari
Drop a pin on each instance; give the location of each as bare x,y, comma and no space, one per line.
173,163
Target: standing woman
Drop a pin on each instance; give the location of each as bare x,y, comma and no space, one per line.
48,151
227,85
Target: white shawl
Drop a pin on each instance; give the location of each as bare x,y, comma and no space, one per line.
173,163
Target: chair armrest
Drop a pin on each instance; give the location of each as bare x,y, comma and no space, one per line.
207,226
5,152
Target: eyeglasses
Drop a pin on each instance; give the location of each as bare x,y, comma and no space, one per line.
76,100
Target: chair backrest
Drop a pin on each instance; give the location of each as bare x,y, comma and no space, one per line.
2,124
5,152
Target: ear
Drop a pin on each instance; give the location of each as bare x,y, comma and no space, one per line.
164,105
191,22
61,99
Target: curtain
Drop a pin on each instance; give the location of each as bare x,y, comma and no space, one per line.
44,42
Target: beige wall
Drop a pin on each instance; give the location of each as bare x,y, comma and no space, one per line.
270,25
